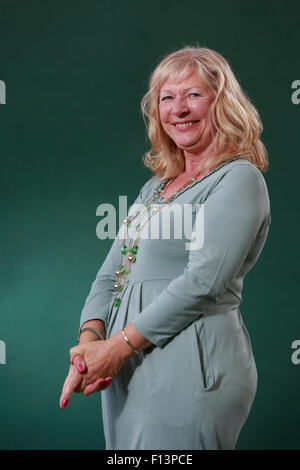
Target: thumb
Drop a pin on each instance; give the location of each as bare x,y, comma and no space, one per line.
75,351
78,361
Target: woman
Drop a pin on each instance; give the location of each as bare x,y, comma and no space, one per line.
176,347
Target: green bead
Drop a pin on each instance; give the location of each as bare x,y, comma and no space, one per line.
124,249
135,250
117,302
192,179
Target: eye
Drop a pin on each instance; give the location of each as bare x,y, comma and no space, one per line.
195,93
165,98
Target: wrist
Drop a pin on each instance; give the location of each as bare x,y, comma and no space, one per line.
129,342
119,343
98,325
87,337
92,330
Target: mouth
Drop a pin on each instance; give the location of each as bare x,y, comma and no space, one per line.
185,125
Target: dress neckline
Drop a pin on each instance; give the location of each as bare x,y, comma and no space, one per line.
160,199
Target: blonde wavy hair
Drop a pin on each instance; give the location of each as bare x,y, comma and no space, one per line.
235,122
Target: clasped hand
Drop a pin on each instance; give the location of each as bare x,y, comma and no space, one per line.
92,367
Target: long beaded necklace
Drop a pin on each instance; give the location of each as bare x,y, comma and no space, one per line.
129,251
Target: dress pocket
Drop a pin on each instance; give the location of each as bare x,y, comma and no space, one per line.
206,370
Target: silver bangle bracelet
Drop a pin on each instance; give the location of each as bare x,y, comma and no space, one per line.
127,340
94,331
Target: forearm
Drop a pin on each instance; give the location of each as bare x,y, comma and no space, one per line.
135,338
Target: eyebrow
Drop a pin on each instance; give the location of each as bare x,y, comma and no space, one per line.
186,89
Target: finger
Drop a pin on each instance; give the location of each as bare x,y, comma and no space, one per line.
71,375
71,383
78,361
94,387
97,386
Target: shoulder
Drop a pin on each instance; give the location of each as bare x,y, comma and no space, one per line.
240,174
244,166
242,186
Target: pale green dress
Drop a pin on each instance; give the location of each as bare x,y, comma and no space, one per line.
193,389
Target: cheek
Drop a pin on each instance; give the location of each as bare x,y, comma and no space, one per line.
162,113
201,109
166,128
165,110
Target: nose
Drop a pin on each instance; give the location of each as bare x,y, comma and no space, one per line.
180,107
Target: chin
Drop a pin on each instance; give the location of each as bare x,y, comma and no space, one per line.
186,145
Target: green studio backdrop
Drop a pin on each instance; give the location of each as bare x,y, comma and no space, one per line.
72,138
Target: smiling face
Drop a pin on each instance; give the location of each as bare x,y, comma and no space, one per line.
184,109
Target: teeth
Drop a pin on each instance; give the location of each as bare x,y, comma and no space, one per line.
185,124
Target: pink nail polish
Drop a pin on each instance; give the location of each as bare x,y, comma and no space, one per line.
65,402
79,367
108,380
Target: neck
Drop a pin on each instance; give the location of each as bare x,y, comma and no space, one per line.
194,162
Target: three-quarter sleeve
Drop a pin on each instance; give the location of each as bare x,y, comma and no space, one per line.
236,215
97,303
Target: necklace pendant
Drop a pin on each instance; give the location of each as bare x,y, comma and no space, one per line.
132,258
